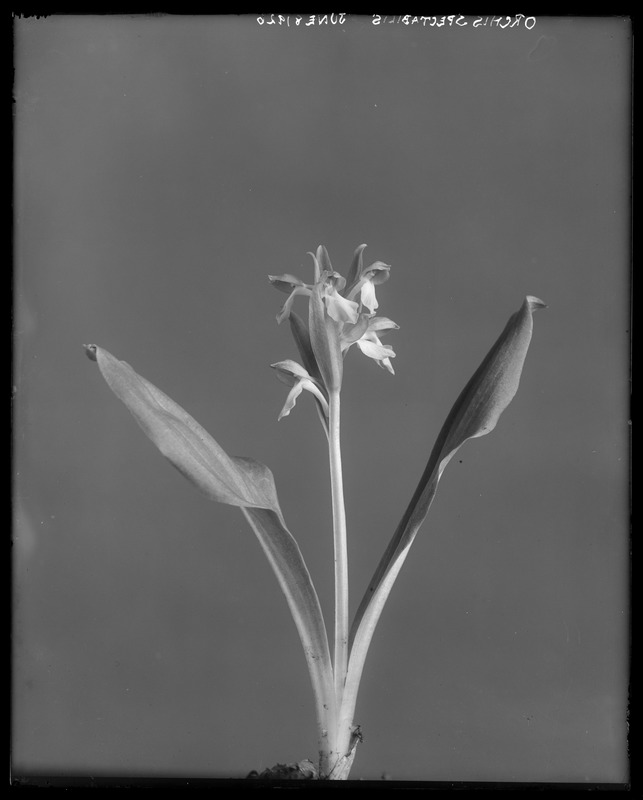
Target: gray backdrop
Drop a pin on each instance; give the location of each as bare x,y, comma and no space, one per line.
164,166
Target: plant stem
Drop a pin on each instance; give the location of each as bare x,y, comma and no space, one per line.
341,553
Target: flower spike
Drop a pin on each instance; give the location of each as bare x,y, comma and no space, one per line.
341,313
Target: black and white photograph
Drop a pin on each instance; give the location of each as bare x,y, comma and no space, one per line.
321,425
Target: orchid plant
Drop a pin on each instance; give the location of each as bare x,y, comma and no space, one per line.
342,312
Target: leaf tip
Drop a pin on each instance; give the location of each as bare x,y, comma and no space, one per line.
534,303
90,351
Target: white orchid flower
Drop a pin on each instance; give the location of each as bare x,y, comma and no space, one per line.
294,375
372,276
365,336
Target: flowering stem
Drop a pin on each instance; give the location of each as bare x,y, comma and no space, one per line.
341,553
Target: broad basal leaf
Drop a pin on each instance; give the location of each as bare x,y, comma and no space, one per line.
237,481
188,446
475,413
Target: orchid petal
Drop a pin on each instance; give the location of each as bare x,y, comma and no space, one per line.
375,349
323,259
351,333
367,296
285,309
378,272
285,282
372,276
339,308
316,268
293,374
382,324
333,281
289,371
293,394
299,386
355,271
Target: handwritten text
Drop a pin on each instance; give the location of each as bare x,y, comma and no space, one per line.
307,21
448,21
456,19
